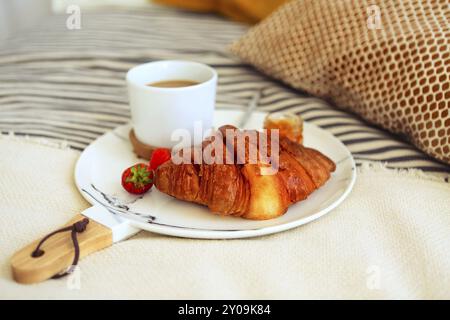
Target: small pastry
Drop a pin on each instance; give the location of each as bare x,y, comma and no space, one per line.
289,124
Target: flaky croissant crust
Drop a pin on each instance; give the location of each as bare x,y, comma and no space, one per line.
240,189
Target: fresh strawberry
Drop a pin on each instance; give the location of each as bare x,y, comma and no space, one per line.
137,179
159,156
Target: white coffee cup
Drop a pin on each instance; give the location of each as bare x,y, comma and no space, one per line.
156,112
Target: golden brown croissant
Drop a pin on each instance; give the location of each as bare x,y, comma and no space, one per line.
241,189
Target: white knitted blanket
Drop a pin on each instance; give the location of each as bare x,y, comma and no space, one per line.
389,239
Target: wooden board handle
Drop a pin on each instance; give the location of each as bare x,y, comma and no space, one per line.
58,252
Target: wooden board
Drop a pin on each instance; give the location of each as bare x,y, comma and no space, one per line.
58,252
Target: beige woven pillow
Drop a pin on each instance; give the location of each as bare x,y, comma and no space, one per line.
393,71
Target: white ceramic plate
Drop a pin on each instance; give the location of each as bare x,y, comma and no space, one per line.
99,168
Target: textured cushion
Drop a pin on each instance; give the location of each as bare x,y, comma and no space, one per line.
395,74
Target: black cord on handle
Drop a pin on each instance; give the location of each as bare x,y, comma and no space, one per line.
77,227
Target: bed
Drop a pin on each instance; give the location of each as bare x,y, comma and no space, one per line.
64,88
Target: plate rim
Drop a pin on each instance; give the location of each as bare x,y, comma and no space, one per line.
186,232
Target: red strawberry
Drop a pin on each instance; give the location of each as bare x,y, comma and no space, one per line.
137,179
159,156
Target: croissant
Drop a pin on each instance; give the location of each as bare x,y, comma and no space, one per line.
240,189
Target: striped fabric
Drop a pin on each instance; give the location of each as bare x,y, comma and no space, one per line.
70,84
